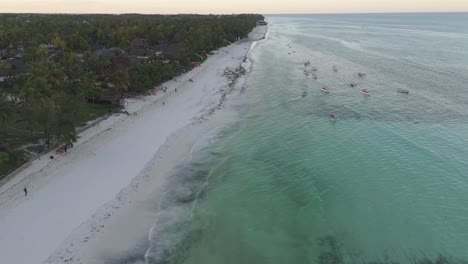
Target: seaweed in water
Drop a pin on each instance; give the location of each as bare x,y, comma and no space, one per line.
333,253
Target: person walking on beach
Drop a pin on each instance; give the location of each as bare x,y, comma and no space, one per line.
163,103
25,191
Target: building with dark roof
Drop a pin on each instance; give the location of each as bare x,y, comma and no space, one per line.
170,51
17,67
141,48
140,44
111,52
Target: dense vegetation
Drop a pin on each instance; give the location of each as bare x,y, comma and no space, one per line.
56,67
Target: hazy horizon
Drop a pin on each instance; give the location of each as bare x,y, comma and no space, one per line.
231,6
265,14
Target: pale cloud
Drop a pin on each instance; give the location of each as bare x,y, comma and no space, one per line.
230,6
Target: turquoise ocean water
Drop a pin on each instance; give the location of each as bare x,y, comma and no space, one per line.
386,183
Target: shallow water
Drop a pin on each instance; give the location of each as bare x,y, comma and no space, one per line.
386,182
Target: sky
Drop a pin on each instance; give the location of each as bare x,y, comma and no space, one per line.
230,6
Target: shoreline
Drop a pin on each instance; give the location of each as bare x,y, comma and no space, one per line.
135,203
112,167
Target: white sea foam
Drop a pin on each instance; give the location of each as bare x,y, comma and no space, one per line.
209,138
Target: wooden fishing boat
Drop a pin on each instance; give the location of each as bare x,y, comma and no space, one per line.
403,91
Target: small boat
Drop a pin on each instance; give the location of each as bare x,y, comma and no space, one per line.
306,73
332,118
307,63
314,76
314,69
364,91
334,68
325,89
361,75
403,91
353,84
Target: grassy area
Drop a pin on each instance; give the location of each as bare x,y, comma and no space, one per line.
92,111
7,167
14,135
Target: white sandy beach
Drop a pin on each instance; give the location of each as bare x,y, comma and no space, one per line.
87,204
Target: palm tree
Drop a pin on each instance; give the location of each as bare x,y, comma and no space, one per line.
89,86
121,80
6,109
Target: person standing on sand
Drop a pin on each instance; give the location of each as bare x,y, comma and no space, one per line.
25,191
163,103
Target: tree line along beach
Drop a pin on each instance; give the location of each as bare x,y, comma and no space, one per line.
59,72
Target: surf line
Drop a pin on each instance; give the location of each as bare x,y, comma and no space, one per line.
200,139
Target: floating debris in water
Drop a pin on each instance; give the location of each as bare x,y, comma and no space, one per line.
361,75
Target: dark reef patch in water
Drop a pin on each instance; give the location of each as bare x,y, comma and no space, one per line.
345,113
332,251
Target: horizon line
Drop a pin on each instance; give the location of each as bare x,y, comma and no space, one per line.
269,14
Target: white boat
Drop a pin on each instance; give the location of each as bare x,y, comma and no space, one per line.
332,118
325,89
364,91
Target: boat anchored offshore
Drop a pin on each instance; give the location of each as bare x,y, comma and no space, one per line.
332,118
403,91
361,75
334,68
325,89
364,91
